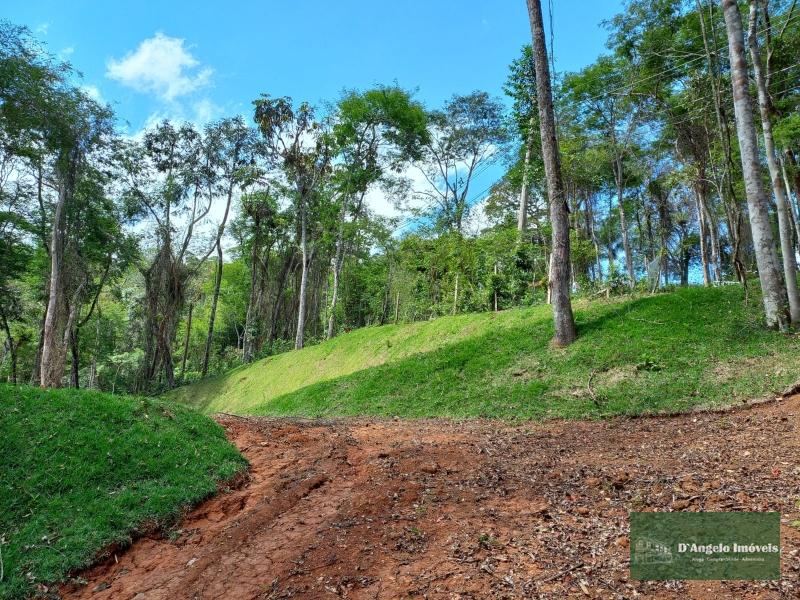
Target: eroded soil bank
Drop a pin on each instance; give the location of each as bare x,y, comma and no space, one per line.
436,509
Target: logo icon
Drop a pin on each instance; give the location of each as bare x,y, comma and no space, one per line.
647,551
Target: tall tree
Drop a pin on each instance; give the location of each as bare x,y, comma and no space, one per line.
78,127
521,87
733,205
466,135
233,148
778,188
373,132
772,288
171,186
15,256
611,108
565,332
259,227
301,147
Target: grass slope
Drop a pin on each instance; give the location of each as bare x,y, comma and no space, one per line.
667,352
83,470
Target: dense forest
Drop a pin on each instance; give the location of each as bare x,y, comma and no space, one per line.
137,263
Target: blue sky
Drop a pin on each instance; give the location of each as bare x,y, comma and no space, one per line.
203,60
307,49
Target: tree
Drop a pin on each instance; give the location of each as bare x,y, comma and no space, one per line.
15,254
105,252
521,87
233,149
772,288
14,259
733,206
170,184
79,127
373,131
256,227
609,107
466,134
59,144
565,332
301,148
781,199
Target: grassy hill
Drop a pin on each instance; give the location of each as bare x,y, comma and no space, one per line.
83,470
666,352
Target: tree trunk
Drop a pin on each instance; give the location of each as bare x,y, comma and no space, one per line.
781,201
643,249
337,270
455,296
255,269
74,374
70,337
623,223
522,211
794,205
258,271
301,308
686,258
218,281
549,260
703,250
52,361
713,234
36,371
12,349
595,241
165,284
186,340
169,370
495,289
565,332
772,288
93,365
213,316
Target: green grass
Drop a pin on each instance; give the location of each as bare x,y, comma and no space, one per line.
84,470
668,352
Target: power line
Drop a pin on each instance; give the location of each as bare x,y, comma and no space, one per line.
688,116
431,204
634,83
628,86
703,102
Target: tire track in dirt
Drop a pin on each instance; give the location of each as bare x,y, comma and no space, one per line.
478,509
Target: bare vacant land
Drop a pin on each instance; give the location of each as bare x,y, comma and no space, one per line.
478,509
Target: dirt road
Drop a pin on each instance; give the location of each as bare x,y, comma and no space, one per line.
436,509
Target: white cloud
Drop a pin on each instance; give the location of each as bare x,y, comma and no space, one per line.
384,203
201,113
205,111
153,119
478,220
94,93
65,52
161,65
422,197
42,28
379,203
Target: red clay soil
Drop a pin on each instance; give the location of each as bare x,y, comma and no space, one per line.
478,509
